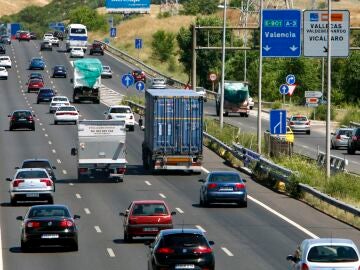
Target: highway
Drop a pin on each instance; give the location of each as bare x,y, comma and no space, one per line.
258,237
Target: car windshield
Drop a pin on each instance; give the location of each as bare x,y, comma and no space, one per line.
46,91
57,99
78,31
22,114
31,174
4,58
120,110
55,211
59,67
184,240
77,49
107,68
331,254
2,68
36,164
67,109
147,209
346,132
223,177
299,118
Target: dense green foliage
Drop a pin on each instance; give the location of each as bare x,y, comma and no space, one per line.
88,17
163,45
205,7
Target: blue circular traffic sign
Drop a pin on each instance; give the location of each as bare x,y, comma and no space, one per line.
284,89
127,80
290,79
140,86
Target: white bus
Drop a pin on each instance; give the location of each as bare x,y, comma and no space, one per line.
76,36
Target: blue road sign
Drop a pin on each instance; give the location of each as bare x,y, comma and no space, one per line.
281,33
112,32
290,79
277,122
140,86
127,80
106,40
284,89
138,43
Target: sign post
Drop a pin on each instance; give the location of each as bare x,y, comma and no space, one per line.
213,78
138,45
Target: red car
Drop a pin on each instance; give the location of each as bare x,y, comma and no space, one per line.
24,36
146,218
35,84
139,75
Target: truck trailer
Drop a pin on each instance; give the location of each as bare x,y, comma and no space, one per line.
101,149
173,137
87,80
236,98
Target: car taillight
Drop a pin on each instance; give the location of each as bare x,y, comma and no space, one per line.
59,113
17,182
109,117
165,250
291,122
30,118
304,266
13,118
307,123
33,224
83,170
354,138
202,250
121,170
338,137
48,182
239,186
66,223
212,186
143,73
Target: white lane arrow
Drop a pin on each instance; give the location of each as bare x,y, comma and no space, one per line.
293,48
267,48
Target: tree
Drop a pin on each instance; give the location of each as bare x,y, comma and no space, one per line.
205,7
88,17
163,45
351,84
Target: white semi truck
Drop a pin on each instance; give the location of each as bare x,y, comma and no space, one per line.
101,149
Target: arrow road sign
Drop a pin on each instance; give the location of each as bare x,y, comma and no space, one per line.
140,86
284,89
277,122
290,79
112,32
281,33
127,80
138,43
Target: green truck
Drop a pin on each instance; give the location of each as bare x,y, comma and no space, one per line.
236,98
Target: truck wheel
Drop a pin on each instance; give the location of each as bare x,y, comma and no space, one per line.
217,111
226,113
97,101
246,115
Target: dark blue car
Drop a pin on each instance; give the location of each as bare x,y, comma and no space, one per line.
45,95
223,186
37,63
59,71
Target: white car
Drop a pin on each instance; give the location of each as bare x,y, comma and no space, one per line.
158,83
54,41
66,114
121,112
48,36
57,102
202,92
251,102
3,73
106,73
77,52
31,184
5,61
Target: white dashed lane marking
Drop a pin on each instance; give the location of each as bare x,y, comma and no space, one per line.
46,135
49,142
179,210
54,151
228,252
87,211
58,161
71,184
97,229
64,171
162,195
110,252
78,195
148,183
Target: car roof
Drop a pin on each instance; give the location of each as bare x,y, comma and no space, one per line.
61,97
119,106
37,58
148,202
222,172
22,111
46,88
59,66
49,206
329,241
31,169
35,159
180,231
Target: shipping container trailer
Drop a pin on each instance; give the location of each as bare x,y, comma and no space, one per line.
173,138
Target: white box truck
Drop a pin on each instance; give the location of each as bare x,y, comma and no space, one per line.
101,149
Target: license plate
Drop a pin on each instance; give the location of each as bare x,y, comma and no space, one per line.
46,99
32,195
22,119
226,189
150,229
50,236
184,266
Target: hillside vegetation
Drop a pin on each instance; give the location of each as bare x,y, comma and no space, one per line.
9,7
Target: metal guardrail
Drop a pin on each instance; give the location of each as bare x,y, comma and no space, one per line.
336,163
354,124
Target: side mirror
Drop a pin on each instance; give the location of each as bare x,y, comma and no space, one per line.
9,115
211,243
17,167
71,80
34,115
19,218
73,151
53,167
123,214
148,243
201,180
8,179
105,112
76,217
173,213
244,180
292,258
332,133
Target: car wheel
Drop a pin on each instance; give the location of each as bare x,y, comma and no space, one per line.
13,201
55,122
132,128
127,237
350,150
206,202
201,201
37,102
24,246
50,200
74,247
308,132
28,91
243,204
33,128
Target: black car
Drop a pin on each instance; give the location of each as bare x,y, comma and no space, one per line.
39,163
33,35
60,35
46,45
48,225
22,119
2,49
96,48
5,39
59,71
45,95
354,141
181,249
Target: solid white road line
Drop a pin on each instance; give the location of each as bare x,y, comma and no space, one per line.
148,183
78,195
87,211
179,210
200,228
205,170
228,252
296,225
162,195
97,229
1,253
110,252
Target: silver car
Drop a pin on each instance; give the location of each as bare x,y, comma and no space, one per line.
158,83
107,72
202,92
340,137
31,184
299,123
326,254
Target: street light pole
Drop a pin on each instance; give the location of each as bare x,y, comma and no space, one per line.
223,69
260,81
328,118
